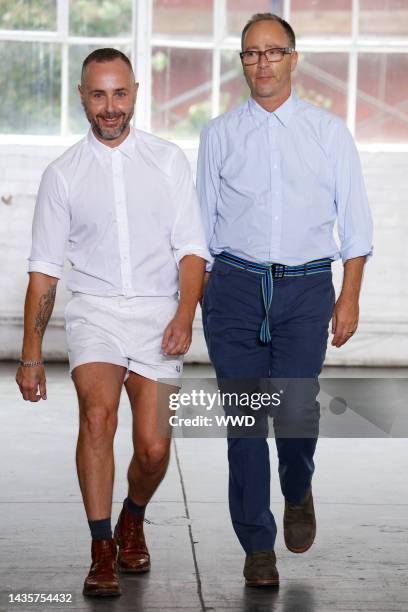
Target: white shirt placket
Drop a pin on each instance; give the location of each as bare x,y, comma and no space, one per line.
119,193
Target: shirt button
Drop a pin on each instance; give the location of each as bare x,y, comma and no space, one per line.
275,166
276,218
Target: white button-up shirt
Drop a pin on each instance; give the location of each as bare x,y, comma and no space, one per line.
123,216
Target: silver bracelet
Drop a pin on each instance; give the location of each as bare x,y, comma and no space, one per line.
30,364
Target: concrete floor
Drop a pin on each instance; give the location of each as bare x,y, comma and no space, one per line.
358,562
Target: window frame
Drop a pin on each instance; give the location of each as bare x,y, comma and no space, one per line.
143,41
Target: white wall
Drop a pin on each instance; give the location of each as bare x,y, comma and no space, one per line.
382,338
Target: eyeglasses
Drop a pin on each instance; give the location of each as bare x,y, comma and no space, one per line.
272,55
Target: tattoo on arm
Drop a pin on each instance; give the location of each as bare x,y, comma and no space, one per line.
44,310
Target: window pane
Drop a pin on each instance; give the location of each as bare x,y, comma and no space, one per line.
311,17
181,91
192,19
321,78
101,17
384,17
382,98
28,15
234,89
240,11
30,82
78,123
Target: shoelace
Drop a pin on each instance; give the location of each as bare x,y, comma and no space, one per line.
132,531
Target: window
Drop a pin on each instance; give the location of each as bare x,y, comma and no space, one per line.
29,15
353,61
30,81
42,46
321,17
181,90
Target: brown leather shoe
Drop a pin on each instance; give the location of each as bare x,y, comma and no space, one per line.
260,569
102,580
299,524
133,556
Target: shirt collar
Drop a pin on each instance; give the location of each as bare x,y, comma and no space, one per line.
283,112
127,147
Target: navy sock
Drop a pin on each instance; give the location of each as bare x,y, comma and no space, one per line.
133,508
101,530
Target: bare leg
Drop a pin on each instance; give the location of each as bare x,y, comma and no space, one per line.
151,451
98,387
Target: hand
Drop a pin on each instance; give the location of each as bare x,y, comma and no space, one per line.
29,380
344,320
177,335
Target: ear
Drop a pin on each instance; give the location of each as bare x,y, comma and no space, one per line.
135,89
81,91
293,60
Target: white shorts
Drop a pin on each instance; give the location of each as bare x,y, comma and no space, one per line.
124,331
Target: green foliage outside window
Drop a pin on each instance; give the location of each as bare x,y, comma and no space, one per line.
28,14
100,17
30,82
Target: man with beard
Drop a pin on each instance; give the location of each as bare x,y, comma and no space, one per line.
121,204
274,175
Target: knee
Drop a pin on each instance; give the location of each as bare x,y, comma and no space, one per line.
154,458
98,422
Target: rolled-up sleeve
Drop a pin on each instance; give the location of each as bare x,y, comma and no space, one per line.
208,181
187,236
354,220
51,225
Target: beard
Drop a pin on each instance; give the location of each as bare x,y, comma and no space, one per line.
107,133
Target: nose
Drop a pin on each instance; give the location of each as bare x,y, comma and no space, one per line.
262,60
109,104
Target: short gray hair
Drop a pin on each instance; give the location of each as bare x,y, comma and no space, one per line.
269,17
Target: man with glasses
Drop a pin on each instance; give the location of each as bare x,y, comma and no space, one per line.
274,175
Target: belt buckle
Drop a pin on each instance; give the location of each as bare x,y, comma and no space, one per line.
278,270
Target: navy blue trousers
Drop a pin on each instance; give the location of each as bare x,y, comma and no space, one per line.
298,318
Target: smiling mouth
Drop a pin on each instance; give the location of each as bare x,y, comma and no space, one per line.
110,121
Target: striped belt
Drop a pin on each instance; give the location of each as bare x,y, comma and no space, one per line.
268,273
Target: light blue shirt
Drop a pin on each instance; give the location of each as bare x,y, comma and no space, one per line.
272,185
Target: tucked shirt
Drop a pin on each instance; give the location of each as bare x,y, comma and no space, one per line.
124,217
273,184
